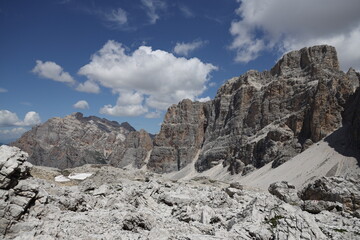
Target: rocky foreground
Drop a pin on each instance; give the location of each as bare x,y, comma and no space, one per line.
113,203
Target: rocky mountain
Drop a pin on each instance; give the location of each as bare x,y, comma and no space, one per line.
77,140
259,117
255,119
294,131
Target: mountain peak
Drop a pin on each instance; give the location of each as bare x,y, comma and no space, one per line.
307,59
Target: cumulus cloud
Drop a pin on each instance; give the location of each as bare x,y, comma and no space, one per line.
145,78
11,134
52,71
82,104
8,119
55,72
288,25
186,48
89,87
3,90
152,7
31,119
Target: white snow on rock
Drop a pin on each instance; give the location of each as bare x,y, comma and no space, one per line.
79,176
61,178
72,176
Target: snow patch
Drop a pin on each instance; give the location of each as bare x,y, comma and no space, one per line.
72,176
79,176
61,178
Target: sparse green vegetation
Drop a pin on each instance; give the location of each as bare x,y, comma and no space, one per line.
340,230
274,221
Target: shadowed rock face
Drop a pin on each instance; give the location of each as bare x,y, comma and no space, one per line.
258,117
352,114
76,140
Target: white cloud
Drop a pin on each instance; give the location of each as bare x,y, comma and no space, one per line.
82,104
12,131
212,84
289,24
185,48
186,11
152,7
52,71
146,78
156,114
8,119
31,119
3,90
205,99
11,134
89,87
118,16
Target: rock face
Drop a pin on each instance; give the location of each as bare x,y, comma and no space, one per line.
285,191
76,140
352,113
258,117
334,190
114,203
16,194
181,136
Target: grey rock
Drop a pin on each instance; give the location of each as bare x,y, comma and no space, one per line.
76,140
102,190
317,206
160,209
232,191
12,166
236,185
286,192
17,192
334,189
133,221
259,117
180,137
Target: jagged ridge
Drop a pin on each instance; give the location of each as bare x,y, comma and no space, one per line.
77,140
258,117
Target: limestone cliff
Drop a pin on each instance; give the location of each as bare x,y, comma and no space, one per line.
258,117
181,136
76,140
352,114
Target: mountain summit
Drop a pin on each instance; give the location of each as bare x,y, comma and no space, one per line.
255,119
259,117
76,140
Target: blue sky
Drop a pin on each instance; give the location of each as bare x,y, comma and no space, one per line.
129,60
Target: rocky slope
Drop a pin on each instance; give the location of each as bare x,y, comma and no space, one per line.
259,117
125,204
77,140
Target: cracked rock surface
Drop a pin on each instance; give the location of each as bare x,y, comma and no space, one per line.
126,204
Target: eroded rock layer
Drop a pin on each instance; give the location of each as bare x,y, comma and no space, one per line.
259,117
77,140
